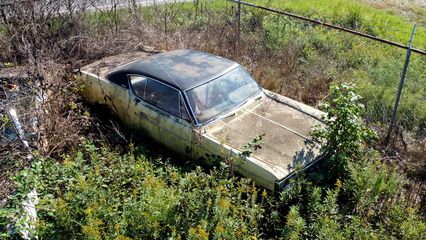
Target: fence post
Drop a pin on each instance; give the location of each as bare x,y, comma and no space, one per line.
238,23
401,85
197,3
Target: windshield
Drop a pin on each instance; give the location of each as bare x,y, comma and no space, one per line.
221,94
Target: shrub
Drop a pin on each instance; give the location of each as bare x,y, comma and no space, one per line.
95,193
367,199
344,136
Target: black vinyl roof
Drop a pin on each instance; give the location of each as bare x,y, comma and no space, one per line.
183,68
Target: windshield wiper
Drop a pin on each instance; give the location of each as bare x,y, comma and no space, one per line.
234,113
228,115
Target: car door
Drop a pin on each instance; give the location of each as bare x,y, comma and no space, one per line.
168,109
142,114
119,96
176,127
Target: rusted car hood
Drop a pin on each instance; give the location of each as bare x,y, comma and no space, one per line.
286,127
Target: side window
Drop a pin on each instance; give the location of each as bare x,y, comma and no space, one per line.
138,85
162,96
156,93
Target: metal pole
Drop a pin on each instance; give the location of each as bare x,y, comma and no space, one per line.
238,23
197,3
401,85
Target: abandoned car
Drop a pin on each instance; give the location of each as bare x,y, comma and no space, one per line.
201,105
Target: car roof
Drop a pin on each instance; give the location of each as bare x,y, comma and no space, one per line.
183,69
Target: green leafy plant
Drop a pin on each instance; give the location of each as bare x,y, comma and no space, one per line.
252,146
97,193
345,135
366,199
